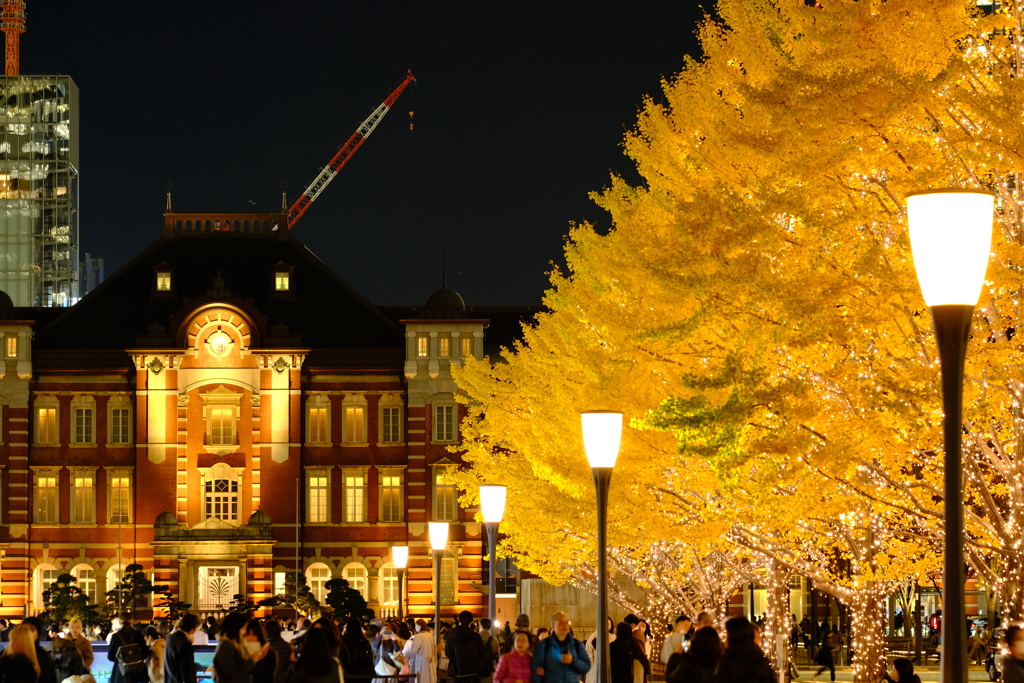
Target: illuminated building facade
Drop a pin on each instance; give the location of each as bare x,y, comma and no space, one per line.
39,162
225,410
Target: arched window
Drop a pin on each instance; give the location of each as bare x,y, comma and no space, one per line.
44,575
388,585
86,576
317,576
355,574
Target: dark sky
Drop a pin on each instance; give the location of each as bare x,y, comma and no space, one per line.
520,110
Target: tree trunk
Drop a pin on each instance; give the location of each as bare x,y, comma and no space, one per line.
1010,588
867,630
775,637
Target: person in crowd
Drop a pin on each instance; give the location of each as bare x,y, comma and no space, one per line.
522,624
743,661
5,630
202,636
421,655
620,654
67,663
677,639
464,650
330,630
126,635
314,663
506,633
404,633
385,645
47,670
1013,663
698,663
515,665
591,676
979,645
282,651
233,660
903,669
543,633
19,662
560,658
705,620
826,658
641,662
155,661
179,657
492,650
645,637
255,639
360,653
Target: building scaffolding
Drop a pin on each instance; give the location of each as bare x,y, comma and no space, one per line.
39,161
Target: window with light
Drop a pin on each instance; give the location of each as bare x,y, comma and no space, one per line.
318,510
355,574
389,588
163,281
445,497
46,498
444,347
422,346
355,424
120,498
355,498
83,498
282,281
467,347
390,497
222,499
12,347
448,574
222,426
317,577
318,425
46,425
86,577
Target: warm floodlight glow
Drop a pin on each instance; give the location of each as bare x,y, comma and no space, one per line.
400,556
438,535
950,237
602,432
492,502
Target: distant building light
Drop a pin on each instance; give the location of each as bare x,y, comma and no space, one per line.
282,281
12,347
163,281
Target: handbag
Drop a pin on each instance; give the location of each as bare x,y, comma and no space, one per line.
442,663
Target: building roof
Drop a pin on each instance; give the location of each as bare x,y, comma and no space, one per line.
319,310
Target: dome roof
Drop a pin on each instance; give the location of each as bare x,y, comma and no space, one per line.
259,518
443,304
6,307
165,518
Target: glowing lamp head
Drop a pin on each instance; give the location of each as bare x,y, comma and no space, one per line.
602,433
400,556
492,502
438,535
951,237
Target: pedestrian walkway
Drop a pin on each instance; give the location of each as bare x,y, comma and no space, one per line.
927,674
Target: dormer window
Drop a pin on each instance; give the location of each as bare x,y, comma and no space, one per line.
444,347
163,281
467,347
282,281
421,346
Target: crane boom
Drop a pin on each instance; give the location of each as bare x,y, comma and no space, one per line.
345,153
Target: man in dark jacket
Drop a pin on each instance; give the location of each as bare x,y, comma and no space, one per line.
743,661
179,656
464,650
47,671
127,635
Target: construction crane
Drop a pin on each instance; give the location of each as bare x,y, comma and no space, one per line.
345,153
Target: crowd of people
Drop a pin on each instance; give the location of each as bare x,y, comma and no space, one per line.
250,650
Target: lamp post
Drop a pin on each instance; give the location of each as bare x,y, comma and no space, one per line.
492,504
950,237
400,556
602,433
438,542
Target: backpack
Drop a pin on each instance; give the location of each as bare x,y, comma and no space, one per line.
487,659
130,660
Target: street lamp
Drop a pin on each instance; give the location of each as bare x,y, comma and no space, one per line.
492,504
438,542
602,433
950,237
400,556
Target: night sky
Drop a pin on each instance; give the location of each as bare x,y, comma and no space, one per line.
520,111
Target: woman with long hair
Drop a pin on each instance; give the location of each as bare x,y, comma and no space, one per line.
315,663
621,654
18,662
233,660
360,654
641,662
155,660
281,649
334,644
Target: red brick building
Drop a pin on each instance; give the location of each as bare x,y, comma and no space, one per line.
225,410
